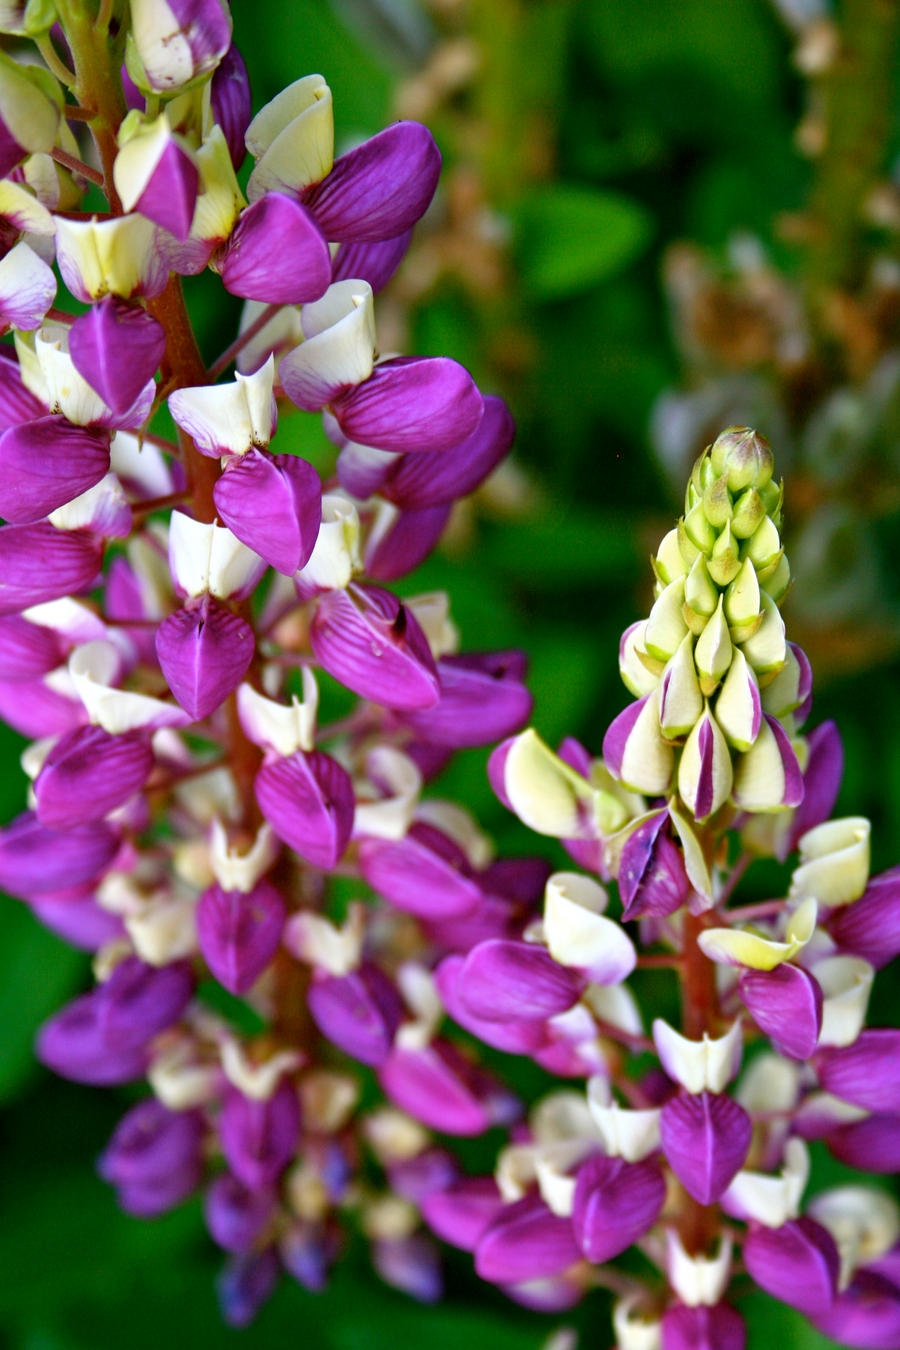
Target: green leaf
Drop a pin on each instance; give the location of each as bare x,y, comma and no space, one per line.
569,237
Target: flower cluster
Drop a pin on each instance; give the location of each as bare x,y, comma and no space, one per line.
704,773
172,611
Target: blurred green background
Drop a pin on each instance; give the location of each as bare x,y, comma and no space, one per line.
656,217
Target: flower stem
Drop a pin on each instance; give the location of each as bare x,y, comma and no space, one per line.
240,342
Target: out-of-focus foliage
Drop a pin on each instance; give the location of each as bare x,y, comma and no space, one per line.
585,141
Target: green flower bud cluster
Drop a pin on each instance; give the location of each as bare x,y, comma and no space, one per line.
712,657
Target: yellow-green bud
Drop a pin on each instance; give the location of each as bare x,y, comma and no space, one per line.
744,457
724,561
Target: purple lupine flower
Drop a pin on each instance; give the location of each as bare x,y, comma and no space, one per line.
239,932
153,1158
259,1137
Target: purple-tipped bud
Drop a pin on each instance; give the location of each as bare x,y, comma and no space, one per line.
245,1283
703,1328
652,877
821,782
516,980
235,1214
230,103
705,1137
239,932
372,644
259,1137
35,858
516,1037
89,773
425,874
38,563
47,462
872,1145
273,504
870,927
482,700
308,800
635,751
179,41
153,1158
432,478
358,1012
276,254
27,650
526,1241
411,403
616,1202
866,1073
205,651
411,1264
439,1087
116,347
373,262
797,1263
786,1004
462,1213
865,1314
380,188
406,542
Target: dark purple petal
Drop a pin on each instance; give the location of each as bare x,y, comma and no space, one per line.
374,262
72,1045
418,877
411,403
865,1314
117,348
235,1214
617,734
415,1178
139,1001
153,1158
308,800
358,1012
434,477
872,1145
46,463
652,877
38,563
308,1251
89,773
379,189
797,1263
28,650
170,195
705,1137
276,254
503,980
205,651
516,1037
703,1328
230,102
17,403
239,932
866,1073
373,644
245,1283
821,781
870,926
526,1241
794,781
259,1137
439,1087
616,1202
407,542
482,700
786,1004
35,859
273,504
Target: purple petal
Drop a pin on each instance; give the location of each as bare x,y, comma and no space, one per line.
276,254
503,980
703,1328
434,477
418,875
406,543
362,470
652,878
497,770
235,1214
866,1314
358,1012
308,800
72,1045
17,404
411,403
797,1263
116,347
245,1283
34,709
516,1037
170,195
617,733
462,1213
138,1001
89,773
372,644
786,1004
872,1145
35,859
821,782
204,26
273,504
205,651
439,1087
415,1178
230,102
526,1241
870,926
153,1158
46,463
239,932
411,1264
38,563
379,189
482,700
705,1137
866,1073
259,1137
794,782
374,262
308,1251
616,1202
76,917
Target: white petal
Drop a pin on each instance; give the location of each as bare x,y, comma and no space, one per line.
292,139
228,418
339,350
257,1080
240,871
631,1135
316,940
707,1065
697,1280
207,558
834,861
278,726
27,287
846,984
577,934
398,778
335,558
772,1200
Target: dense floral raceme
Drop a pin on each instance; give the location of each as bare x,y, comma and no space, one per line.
282,912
